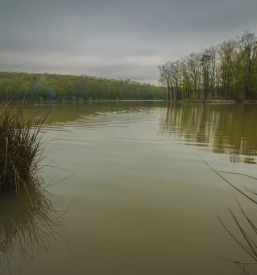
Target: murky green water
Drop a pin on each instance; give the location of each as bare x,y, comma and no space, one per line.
145,203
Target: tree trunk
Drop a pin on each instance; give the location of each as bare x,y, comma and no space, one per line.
169,93
172,91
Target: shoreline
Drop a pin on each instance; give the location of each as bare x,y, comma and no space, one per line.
48,102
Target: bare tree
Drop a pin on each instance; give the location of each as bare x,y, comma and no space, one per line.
249,44
206,73
165,78
194,67
186,80
227,52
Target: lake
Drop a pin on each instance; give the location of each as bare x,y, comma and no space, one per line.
132,194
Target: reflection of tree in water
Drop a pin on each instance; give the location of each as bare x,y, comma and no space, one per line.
28,221
223,129
68,113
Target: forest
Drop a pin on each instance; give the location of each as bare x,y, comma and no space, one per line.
34,87
226,71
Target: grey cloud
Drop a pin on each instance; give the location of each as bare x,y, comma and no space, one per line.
116,39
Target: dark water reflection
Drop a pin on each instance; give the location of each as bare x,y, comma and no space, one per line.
97,114
222,129
230,130
28,224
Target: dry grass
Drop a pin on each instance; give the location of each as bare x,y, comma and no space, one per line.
20,147
247,227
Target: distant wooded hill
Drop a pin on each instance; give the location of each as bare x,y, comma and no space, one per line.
15,85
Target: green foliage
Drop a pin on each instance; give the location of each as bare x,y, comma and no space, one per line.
15,86
73,98
96,100
90,99
225,71
117,98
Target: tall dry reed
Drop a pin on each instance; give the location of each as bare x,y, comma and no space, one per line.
20,146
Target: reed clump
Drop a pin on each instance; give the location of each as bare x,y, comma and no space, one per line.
20,147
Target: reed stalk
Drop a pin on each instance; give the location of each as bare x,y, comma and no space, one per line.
21,147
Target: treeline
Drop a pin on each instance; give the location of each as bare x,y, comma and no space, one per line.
14,86
225,71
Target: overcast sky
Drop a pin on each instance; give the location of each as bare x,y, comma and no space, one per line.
114,38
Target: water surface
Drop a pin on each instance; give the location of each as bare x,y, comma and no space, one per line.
145,202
